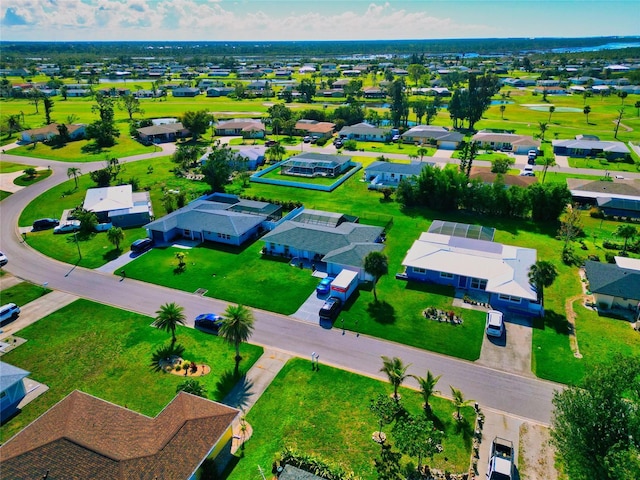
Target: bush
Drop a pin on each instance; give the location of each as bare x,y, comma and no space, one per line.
351,145
595,212
609,245
610,257
594,258
321,142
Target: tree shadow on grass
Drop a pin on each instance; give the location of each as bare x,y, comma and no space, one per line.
381,312
112,254
234,389
552,320
91,148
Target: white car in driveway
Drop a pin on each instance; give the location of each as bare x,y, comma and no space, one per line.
495,323
70,227
3,259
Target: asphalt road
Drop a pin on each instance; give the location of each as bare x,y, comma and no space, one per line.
517,395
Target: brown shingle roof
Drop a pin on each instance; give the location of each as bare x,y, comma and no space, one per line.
52,128
485,176
83,434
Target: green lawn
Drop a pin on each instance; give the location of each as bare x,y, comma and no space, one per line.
107,352
25,180
9,167
23,293
603,164
326,414
4,194
399,148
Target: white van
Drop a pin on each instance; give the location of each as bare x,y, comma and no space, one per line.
9,311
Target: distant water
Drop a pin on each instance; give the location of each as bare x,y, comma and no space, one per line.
597,48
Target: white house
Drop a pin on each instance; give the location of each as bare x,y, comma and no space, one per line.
119,205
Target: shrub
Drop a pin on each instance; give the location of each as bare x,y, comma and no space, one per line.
610,257
595,212
594,258
351,145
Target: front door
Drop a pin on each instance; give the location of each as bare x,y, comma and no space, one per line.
462,282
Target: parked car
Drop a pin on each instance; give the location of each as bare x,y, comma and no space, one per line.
9,311
3,259
270,143
209,322
325,285
532,153
141,245
527,171
330,309
306,139
73,226
495,323
338,144
45,223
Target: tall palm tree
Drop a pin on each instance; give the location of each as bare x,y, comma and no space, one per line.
543,127
622,96
502,109
637,105
422,151
551,110
396,372
627,232
587,110
74,172
459,401
546,163
376,264
427,387
168,318
542,274
237,327
275,152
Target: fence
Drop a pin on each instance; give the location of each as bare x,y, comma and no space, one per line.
257,178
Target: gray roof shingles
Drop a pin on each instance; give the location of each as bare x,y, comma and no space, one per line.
609,279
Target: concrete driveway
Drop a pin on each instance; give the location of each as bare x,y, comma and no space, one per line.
511,352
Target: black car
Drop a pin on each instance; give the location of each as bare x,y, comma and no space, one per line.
270,143
141,245
330,309
45,223
209,322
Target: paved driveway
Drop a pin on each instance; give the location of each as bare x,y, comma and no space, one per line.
512,352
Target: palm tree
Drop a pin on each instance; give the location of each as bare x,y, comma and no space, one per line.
75,173
376,264
546,163
422,151
637,105
276,126
542,274
276,152
168,318
622,96
427,387
627,232
587,110
459,401
502,109
193,387
551,110
542,126
13,122
396,372
115,235
237,327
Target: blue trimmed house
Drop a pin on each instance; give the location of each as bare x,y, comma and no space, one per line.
389,174
498,271
12,389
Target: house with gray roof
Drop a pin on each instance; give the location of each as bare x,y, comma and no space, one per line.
365,133
119,205
580,147
433,135
589,192
520,144
615,285
311,164
185,92
166,132
218,218
12,389
619,207
245,127
389,174
325,237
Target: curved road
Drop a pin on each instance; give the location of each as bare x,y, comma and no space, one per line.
525,397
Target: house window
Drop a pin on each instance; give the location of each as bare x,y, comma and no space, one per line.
509,298
419,270
446,275
187,232
478,283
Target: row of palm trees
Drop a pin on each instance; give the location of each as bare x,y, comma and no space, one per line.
236,327
396,371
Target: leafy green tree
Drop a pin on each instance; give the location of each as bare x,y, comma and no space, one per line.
187,155
115,235
194,387
422,151
74,172
542,274
104,130
596,426
415,72
88,221
416,436
502,109
131,105
551,110
289,127
168,317
237,327
276,126
432,110
196,122
101,177
480,89
35,96
30,172
628,232
427,387
548,201
218,167
376,264
587,110
396,372
459,402
399,105
637,106
570,225
622,95
275,153
501,164
14,124
279,111
468,154
388,464
386,410
307,89
419,109
48,108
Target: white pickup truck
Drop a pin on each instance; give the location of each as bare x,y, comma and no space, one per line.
501,462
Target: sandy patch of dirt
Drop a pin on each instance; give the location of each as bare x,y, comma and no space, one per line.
536,454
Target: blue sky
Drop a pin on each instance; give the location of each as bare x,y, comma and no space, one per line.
259,20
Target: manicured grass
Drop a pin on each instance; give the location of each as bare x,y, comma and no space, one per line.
4,194
73,151
603,164
107,352
26,180
276,175
487,156
23,293
238,275
9,167
399,148
326,414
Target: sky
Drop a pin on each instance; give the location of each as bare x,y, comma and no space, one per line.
272,20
